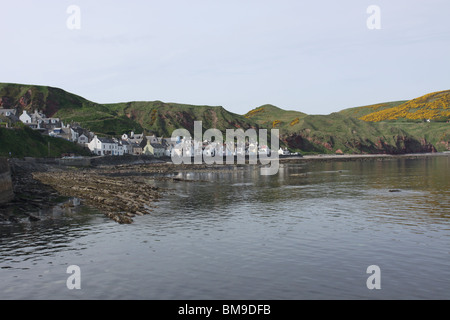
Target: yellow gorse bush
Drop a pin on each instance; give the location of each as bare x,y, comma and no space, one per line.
275,123
253,112
153,117
430,106
294,122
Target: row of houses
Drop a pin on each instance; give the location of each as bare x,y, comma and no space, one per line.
133,145
137,144
128,144
194,148
37,120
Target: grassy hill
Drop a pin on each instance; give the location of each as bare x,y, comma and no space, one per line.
25,142
434,106
340,131
359,112
269,116
115,119
46,99
435,133
353,130
337,133
409,116
162,118
152,117
55,102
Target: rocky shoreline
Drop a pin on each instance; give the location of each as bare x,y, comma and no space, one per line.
120,192
119,198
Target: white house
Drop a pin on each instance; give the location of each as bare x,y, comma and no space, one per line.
105,147
119,150
127,149
10,114
83,140
74,135
25,117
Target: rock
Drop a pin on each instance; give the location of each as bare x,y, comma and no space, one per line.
119,197
394,190
33,218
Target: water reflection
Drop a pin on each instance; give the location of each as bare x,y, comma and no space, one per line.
356,187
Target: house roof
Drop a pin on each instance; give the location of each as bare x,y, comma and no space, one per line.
79,130
4,111
157,145
106,140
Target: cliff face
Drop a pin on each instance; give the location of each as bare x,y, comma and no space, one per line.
397,145
6,188
31,97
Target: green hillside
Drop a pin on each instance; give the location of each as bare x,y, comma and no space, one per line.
433,106
55,102
338,133
162,118
269,116
46,99
25,142
358,112
435,133
342,131
115,119
409,116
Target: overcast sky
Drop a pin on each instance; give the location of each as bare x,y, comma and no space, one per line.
312,56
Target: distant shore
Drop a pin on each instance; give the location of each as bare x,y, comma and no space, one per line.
362,157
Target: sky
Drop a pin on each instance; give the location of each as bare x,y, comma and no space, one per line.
317,57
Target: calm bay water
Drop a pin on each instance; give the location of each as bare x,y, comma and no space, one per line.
309,232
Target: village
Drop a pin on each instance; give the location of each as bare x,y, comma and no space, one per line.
132,143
